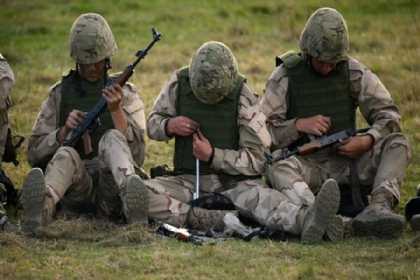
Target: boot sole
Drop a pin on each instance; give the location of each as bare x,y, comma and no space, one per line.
326,206
386,227
33,198
136,201
335,230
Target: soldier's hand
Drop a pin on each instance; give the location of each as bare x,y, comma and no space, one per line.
355,146
202,149
181,126
113,96
75,118
316,125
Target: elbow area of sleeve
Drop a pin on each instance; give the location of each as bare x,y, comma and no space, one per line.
218,159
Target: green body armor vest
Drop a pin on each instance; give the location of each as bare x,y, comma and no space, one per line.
310,94
83,95
219,123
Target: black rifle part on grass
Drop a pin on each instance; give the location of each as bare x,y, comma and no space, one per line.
13,143
91,117
314,144
11,192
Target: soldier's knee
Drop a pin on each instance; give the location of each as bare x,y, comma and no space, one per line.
67,153
397,141
109,137
65,156
284,173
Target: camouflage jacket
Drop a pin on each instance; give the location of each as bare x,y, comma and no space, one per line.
253,135
43,142
7,80
370,95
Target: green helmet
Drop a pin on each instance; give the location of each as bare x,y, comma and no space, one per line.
91,39
213,71
325,36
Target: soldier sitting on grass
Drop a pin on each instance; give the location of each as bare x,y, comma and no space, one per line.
99,173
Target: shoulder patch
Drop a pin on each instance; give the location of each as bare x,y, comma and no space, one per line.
290,59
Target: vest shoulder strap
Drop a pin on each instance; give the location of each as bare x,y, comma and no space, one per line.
183,72
290,59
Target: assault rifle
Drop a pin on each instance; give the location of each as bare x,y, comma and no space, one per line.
91,117
315,144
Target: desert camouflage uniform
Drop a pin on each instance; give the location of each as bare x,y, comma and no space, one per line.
7,80
381,168
169,196
76,181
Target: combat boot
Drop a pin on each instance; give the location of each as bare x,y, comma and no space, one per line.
204,220
38,208
6,226
335,230
321,214
378,219
135,200
415,222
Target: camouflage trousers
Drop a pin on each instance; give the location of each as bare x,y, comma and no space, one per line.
380,169
3,212
3,199
169,198
85,184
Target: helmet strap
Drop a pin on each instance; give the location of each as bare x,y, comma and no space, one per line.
108,64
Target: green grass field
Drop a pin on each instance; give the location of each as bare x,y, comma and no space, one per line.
385,35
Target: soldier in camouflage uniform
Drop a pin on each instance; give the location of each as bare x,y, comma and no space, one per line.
211,112
7,80
100,171
317,92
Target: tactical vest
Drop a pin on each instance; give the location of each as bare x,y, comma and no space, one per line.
310,94
219,123
83,95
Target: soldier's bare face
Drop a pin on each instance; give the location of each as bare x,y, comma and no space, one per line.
322,68
93,71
